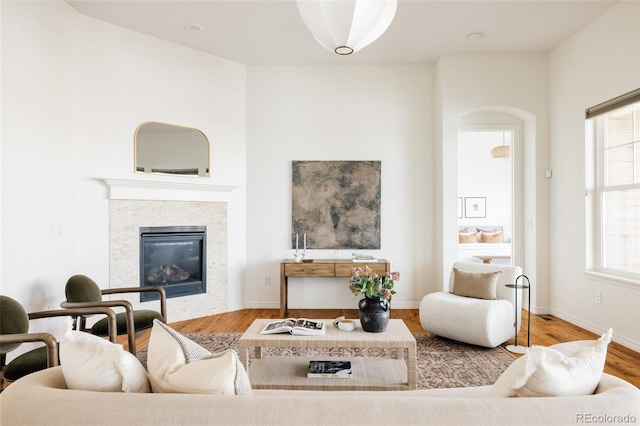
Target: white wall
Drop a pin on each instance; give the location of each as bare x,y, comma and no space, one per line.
74,89
599,63
340,113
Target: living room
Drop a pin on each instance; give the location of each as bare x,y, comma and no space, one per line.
74,89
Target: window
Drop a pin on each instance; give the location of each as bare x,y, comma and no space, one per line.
614,128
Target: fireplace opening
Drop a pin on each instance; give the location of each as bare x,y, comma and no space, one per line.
173,257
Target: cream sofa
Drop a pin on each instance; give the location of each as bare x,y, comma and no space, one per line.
43,399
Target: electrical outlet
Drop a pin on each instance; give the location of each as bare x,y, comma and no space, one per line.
267,280
599,298
54,230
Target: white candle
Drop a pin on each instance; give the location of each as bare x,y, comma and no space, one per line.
304,241
296,241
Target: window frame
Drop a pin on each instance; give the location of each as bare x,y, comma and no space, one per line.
596,132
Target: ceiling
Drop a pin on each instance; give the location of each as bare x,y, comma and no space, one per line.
271,32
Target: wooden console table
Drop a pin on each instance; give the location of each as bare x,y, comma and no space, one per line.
321,268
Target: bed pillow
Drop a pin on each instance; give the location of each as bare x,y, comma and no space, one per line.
467,237
489,228
565,369
177,364
92,363
480,285
491,237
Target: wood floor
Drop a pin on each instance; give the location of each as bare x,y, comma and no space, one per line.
546,330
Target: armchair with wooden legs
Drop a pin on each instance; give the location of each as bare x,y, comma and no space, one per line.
82,292
14,330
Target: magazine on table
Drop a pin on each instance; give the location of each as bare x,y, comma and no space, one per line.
296,326
330,369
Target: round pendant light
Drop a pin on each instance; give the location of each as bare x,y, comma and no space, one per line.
346,26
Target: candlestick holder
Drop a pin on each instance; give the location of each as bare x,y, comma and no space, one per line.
297,257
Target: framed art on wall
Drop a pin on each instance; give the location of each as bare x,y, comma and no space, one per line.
336,204
475,207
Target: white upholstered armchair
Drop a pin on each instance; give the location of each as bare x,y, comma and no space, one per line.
475,320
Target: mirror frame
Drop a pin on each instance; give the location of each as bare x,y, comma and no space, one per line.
185,172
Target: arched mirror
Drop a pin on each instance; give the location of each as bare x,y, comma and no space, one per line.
170,149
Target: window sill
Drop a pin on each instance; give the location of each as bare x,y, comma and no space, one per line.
615,280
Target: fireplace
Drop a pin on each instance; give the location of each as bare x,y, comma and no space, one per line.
173,257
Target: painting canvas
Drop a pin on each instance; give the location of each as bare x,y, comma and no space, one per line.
336,204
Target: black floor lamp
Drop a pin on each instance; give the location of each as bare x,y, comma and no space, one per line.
515,286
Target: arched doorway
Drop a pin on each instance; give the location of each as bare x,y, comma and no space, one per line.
490,187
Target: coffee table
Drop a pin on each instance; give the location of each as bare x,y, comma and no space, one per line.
369,373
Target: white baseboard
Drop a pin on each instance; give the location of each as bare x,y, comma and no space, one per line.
618,338
261,305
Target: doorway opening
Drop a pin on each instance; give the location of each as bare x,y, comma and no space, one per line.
486,193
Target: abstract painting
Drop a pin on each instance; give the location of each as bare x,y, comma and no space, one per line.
336,204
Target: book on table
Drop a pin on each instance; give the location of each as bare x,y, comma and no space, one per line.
330,369
363,258
296,326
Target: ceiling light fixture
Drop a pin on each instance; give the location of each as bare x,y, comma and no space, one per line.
501,151
346,26
194,27
474,36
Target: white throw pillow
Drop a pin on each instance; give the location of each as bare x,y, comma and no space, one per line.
565,369
92,363
179,365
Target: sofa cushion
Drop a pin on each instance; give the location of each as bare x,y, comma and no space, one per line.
26,363
179,365
565,369
142,318
92,363
480,285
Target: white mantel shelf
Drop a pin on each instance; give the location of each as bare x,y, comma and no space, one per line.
138,189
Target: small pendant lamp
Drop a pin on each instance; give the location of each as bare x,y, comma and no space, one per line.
346,26
501,151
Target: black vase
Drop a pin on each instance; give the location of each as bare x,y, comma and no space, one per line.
374,314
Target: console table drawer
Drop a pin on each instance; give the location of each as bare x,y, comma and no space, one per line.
309,270
344,269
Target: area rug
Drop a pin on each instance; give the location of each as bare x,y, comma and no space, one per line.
442,363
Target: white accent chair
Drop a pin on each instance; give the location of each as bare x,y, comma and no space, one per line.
476,321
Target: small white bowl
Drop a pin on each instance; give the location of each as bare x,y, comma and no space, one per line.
347,325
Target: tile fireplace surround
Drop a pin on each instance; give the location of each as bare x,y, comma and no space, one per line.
168,204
